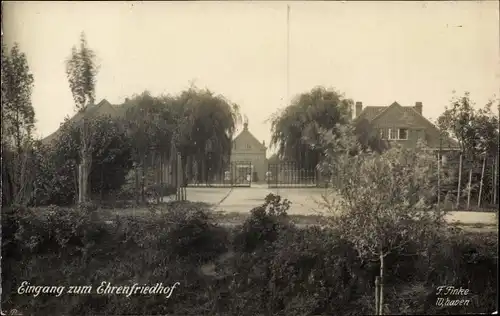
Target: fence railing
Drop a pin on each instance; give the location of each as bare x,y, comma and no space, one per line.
235,174
288,174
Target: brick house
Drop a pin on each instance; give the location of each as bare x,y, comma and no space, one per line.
248,149
405,125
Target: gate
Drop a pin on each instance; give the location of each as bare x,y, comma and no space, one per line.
289,175
235,174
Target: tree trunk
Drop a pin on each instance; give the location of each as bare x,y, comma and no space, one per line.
377,295
459,180
381,301
80,183
439,180
86,162
143,181
136,191
469,186
495,180
481,183
102,182
160,179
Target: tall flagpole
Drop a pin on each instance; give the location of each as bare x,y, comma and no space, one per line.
287,54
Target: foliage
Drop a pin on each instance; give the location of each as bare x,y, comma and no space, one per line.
476,130
302,271
382,201
150,124
263,225
18,119
368,137
296,131
56,182
18,115
206,129
81,70
386,199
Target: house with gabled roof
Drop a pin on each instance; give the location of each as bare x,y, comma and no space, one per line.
404,125
103,108
248,149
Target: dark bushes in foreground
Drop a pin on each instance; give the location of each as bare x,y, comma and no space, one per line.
266,266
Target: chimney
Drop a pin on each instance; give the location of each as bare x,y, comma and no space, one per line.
359,108
264,143
126,100
418,107
245,126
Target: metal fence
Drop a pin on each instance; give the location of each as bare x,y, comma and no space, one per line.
235,174
290,175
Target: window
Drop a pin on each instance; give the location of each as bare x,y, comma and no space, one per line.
403,133
398,133
393,133
248,146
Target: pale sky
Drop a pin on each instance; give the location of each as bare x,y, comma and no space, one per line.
374,52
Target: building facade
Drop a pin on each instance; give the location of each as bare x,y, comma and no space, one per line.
404,125
247,149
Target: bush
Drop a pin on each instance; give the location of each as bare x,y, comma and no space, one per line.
283,270
263,225
56,165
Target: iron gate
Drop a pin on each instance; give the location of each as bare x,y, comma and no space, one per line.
289,175
235,174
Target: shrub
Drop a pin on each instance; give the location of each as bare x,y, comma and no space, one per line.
288,271
194,232
263,225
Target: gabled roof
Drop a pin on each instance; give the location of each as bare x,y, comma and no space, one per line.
371,113
90,112
255,142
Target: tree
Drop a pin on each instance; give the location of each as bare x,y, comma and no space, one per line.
56,182
81,70
18,119
151,125
368,137
296,129
381,202
208,123
476,130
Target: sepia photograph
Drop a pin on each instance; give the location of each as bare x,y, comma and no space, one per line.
247,158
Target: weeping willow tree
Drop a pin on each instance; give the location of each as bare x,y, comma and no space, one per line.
205,135
296,130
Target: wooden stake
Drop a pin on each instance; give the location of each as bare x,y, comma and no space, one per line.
495,179
459,180
481,183
381,300
439,180
469,186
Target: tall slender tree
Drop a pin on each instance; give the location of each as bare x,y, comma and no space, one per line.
81,71
18,117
